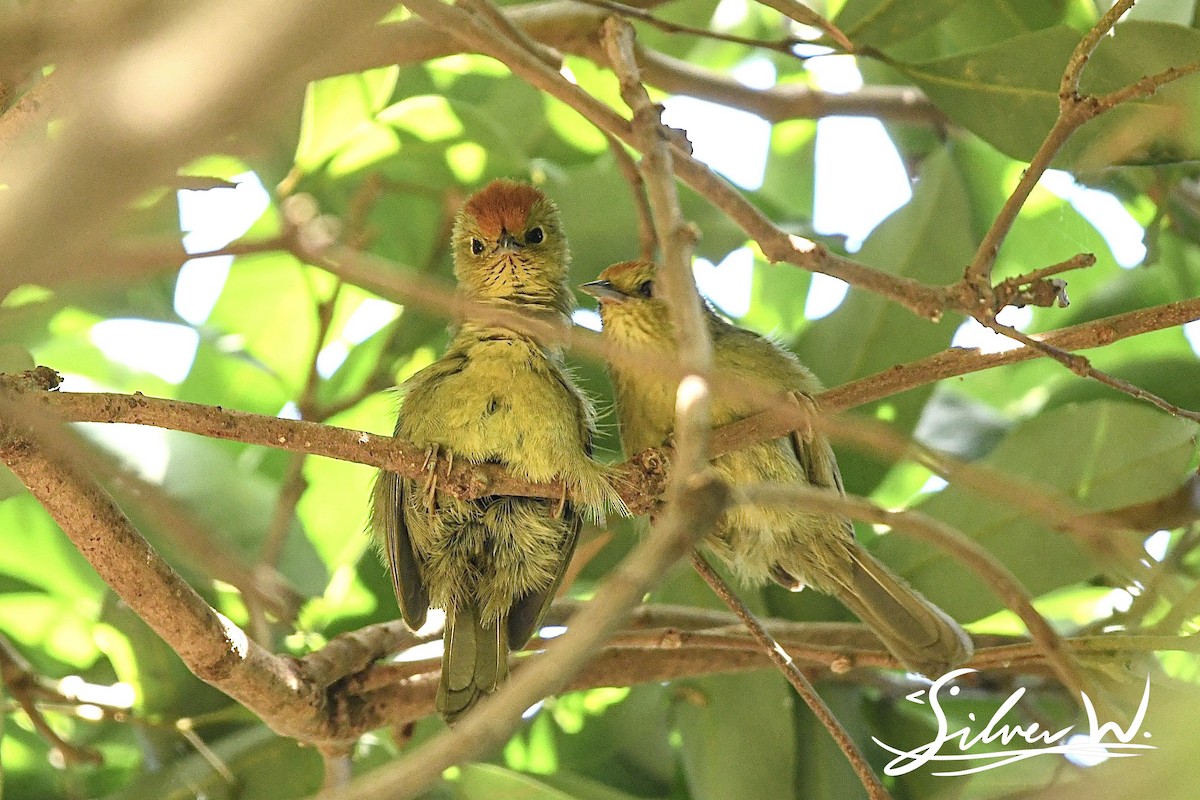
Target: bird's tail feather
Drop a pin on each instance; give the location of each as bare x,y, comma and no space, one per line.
922,636
475,661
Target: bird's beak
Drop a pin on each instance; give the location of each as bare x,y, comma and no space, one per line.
508,241
604,290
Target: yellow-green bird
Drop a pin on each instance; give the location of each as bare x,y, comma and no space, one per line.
496,396
792,546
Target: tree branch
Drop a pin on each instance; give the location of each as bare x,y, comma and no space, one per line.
961,361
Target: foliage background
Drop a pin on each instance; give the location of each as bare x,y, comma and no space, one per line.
391,152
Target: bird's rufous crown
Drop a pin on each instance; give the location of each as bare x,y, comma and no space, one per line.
502,205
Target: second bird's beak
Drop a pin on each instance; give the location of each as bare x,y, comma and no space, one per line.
604,290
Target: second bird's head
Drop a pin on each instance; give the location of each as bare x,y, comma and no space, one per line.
509,244
630,306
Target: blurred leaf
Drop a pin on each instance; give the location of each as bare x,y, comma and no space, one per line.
46,558
695,14
488,781
237,504
14,359
627,747
737,737
822,771
779,294
960,426
264,765
53,632
584,788
611,236
1100,454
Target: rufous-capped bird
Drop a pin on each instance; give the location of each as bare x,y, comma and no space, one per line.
496,396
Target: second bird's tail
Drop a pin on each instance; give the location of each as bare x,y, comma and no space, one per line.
474,663
922,636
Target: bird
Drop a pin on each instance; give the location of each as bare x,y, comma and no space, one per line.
792,546
498,396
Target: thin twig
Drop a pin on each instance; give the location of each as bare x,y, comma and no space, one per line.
676,238
777,245
647,241
24,685
1082,367
1074,110
801,13
795,677
962,361
783,46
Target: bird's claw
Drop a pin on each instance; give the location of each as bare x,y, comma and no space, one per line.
562,501
809,410
429,466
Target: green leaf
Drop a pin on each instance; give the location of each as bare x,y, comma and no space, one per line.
46,558
822,771
1175,379
1007,94
236,504
600,239
52,630
584,788
978,23
878,23
738,740
267,305
337,109
929,240
627,747
1101,455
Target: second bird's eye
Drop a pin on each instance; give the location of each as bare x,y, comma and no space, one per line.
646,289
476,246
534,236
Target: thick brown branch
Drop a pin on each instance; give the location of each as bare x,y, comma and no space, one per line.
211,646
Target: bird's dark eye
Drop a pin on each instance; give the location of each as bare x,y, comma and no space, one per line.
646,289
476,246
534,236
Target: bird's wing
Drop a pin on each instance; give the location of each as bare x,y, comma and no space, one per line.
819,465
406,577
526,614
